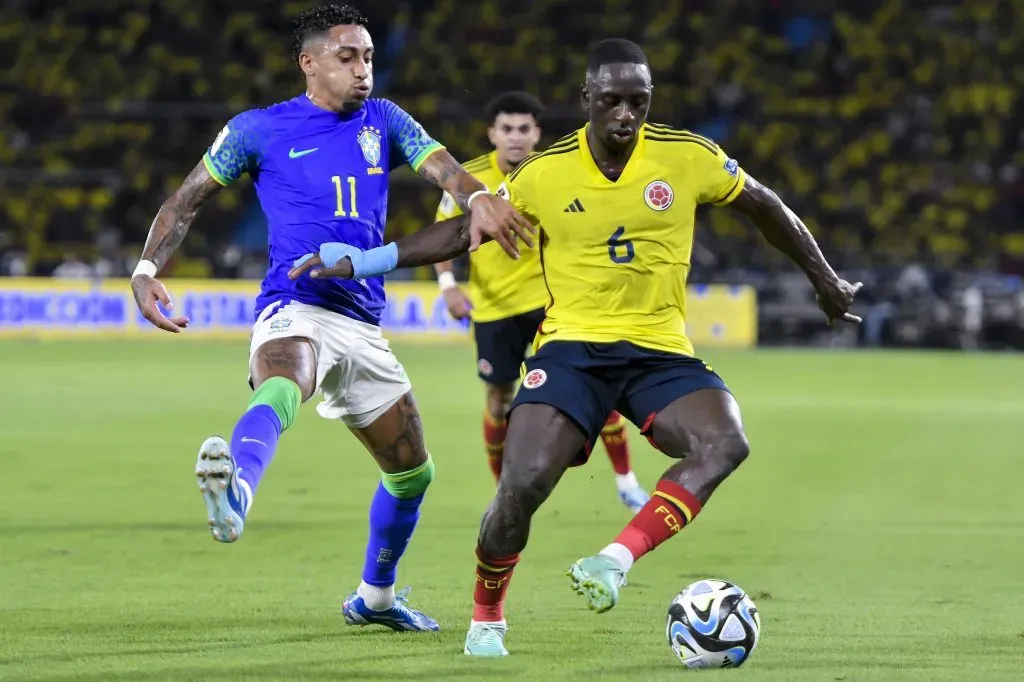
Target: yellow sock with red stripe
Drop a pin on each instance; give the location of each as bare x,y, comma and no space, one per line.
670,508
494,439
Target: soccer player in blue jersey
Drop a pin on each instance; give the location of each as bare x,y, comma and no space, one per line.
320,164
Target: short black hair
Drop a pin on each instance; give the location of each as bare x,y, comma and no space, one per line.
515,102
615,51
319,20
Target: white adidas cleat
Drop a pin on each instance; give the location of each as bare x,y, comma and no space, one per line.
225,494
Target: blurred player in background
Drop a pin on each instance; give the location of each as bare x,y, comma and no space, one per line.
622,341
320,164
507,297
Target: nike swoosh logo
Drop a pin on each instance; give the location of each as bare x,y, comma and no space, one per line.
292,154
253,440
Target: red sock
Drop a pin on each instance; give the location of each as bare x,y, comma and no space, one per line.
614,437
494,438
492,579
670,508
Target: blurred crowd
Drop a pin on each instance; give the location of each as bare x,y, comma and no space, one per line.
894,127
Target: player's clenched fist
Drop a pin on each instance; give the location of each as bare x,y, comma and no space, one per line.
150,291
496,218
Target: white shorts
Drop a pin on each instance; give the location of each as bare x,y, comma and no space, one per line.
358,375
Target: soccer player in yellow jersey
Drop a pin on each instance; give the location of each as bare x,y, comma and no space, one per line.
615,332
507,297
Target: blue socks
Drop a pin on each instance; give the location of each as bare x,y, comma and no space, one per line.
393,515
254,442
392,522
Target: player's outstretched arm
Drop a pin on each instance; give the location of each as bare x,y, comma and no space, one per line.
787,233
169,228
490,215
433,244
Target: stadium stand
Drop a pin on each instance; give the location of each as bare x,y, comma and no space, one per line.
893,127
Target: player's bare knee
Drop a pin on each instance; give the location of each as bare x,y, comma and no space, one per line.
526,488
724,445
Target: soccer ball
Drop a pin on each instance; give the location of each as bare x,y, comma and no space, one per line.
712,624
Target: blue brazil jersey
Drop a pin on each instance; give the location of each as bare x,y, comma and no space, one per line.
320,176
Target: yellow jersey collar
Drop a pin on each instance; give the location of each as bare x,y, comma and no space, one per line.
591,165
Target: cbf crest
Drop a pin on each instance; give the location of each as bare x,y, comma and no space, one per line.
369,143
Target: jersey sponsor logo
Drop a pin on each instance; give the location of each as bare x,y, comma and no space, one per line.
369,143
732,167
221,136
658,195
280,324
535,378
485,367
292,154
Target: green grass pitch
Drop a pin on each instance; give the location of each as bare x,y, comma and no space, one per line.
878,524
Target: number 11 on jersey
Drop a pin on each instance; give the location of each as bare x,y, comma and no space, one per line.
353,212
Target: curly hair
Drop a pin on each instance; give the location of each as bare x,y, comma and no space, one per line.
318,21
516,102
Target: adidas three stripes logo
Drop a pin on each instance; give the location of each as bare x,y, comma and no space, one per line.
575,207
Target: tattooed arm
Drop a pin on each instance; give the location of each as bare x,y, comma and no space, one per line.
165,235
445,172
176,215
490,215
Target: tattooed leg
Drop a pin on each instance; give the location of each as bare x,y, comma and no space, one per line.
293,358
396,441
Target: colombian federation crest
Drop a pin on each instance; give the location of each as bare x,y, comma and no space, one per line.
658,195
535,378
369,143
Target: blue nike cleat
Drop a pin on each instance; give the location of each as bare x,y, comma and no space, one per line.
486,639
399,617
634,498
225,494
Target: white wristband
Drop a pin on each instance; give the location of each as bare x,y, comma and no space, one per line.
446,280
474,195
145,267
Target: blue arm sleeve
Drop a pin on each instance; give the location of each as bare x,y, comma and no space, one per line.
409,142
235,152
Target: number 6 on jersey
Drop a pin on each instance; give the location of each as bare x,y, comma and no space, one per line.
340,211
615,243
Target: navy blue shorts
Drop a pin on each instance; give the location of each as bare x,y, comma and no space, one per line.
501,345
586,381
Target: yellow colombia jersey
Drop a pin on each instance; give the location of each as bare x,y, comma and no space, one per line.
499,286
616,255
